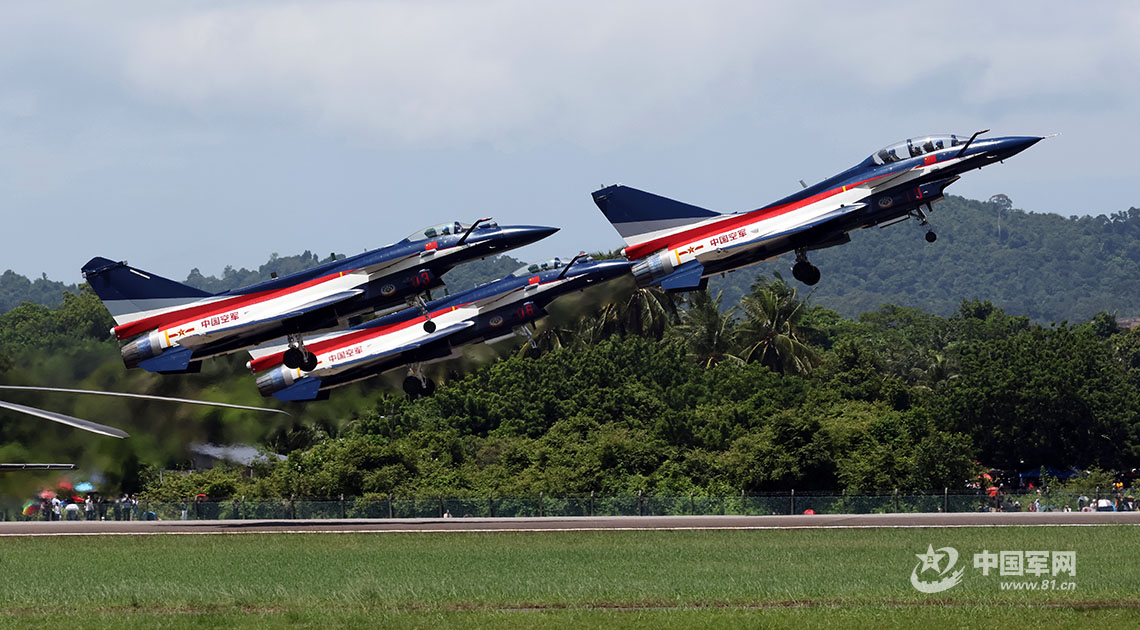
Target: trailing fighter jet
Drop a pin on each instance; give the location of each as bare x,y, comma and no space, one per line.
87,425
489,313
175,326
679,246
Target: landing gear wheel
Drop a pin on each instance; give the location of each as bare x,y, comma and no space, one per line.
413,387
293,358
428,388
429,326
309,363
806,272
813,276
931,236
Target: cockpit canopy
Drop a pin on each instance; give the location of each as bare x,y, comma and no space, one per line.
546,265
914,147
446,229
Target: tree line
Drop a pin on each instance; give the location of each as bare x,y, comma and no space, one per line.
629,389
667,396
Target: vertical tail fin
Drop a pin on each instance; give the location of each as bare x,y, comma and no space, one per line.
130,294
640,216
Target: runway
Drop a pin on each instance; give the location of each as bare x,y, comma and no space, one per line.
542,524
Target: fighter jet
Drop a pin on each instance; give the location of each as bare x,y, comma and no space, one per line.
678,246
175,326
489,313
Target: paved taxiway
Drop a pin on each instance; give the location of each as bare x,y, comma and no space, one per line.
550,523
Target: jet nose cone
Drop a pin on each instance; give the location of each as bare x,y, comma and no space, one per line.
519,235
1016,144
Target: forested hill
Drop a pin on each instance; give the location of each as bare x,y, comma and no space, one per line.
1045,266
16,289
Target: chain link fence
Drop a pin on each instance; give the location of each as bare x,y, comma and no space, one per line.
382,506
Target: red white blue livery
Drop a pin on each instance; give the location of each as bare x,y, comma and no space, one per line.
488,313
172,326
678,246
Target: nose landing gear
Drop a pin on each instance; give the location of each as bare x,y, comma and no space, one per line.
419,302
924,222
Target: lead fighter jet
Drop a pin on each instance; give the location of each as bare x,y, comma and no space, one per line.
489,313
679,246
175,326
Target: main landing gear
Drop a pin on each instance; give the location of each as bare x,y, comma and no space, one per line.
803,270
524,332
416,385
297,356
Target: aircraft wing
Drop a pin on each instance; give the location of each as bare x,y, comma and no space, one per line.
922,168
78,423
788,230
500,298
255,323
439,334
282,344
390,265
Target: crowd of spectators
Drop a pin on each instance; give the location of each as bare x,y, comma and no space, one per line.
92,507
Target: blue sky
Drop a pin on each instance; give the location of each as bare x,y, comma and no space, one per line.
179,135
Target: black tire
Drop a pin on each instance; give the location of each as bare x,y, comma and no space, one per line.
801,270
931,236
412,386
806,273
309,363
813,276
429,326
429,387
293,358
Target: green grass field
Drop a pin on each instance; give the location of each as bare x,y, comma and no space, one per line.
771,578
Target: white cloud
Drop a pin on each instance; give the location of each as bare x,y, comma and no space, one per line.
520,72
459,72
166,108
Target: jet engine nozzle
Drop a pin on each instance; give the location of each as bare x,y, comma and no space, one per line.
276,380
652,268
143,348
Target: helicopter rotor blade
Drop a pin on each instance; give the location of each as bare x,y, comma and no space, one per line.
189,401
78,423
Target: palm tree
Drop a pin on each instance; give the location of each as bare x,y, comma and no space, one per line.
709,333
550,337
647,312
774,328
